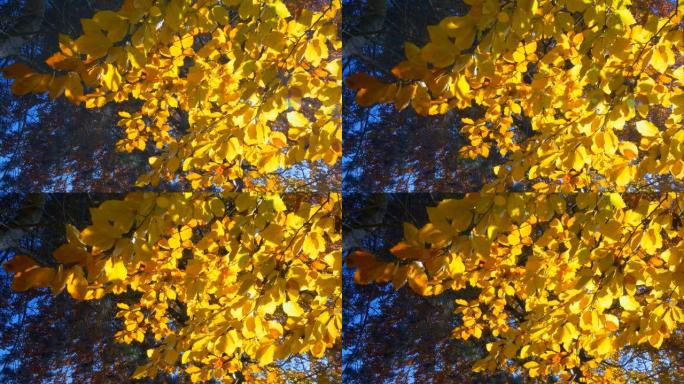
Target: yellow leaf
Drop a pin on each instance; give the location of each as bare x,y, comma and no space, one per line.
248,9
266,354
136,57
187,41
108,19
628,303
16,71
456,265
532,368
651,240
292,309
77,285
604,299
115,270
275,40
624,174
217,207
33,278
174,241
318,349
646,128
440,54
404,96
403,250
421,101
111,78
626,16
281,10
25,85
278,204
417,280
273,234
312,244
612,323
112,22
19,263
656,339
616,201
171,356
315,51
589,319
297,119
568,333
63,63
220,15
278,139
99,238
579,158
629,150
175,50
70,253
462,86
94,44
73,88
245,202
140,372
605,346
400,277
661,58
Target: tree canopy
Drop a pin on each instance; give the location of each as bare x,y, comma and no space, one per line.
226,285
240,98
232,95
561,95
42,338
393,335
55,145
573,97
556,286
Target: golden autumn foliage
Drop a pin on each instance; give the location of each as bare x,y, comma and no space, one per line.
228,285
559,284
574,94
228,93
227,96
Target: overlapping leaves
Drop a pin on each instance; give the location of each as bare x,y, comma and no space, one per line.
228,285
556,284
574,94
230,93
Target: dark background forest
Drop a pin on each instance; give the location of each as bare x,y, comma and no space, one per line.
46,338
54,145
386,150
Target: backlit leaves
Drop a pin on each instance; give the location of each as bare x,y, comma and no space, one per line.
227,284
562,282
230,93
555,87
